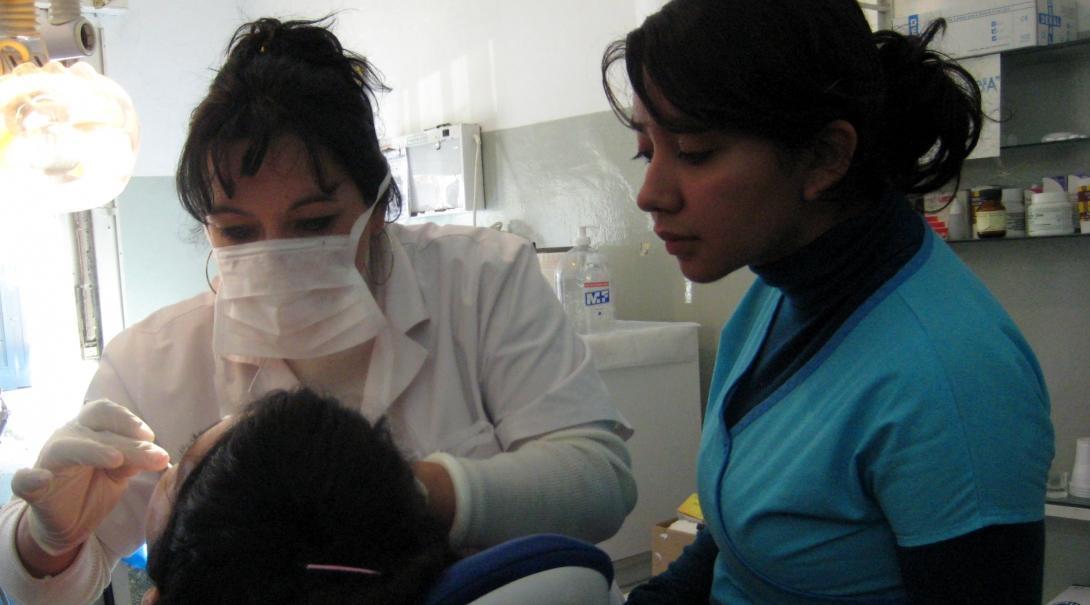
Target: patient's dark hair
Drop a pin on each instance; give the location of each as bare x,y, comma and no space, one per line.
299,480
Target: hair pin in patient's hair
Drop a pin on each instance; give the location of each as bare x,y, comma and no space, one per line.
343,569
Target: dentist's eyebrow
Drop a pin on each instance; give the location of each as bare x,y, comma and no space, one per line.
314,198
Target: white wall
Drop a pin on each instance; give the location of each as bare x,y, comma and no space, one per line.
499,63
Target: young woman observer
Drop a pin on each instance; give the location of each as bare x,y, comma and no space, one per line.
451,334
877,429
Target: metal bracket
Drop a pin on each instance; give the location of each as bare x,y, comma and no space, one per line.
88,310
95,7
5,413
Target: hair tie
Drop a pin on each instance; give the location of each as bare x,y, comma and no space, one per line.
343,569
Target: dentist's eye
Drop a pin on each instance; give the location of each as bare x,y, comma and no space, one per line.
315,225
694,157
237,233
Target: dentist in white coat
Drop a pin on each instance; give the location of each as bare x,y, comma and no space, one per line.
450,333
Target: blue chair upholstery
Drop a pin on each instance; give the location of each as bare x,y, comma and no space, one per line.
545,568
525,569
138,559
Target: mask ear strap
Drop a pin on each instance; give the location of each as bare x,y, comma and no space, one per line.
207,279
361,222
212,248
382,187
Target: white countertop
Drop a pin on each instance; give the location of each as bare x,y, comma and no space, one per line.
643,343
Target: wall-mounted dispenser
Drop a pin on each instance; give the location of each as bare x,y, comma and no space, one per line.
439,170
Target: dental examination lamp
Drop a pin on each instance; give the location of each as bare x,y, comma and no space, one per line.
68,136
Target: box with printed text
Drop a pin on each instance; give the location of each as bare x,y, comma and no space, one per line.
979,27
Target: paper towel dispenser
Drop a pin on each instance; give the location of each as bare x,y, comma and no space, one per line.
439,170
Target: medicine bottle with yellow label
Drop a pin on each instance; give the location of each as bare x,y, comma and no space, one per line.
991,215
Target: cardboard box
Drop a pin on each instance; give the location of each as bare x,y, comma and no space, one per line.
979,27
667,544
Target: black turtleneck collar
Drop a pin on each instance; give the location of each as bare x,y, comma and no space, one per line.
848,256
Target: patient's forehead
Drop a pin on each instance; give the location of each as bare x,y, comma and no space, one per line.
204,440
162,497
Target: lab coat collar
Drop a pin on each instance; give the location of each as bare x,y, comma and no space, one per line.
400,296
397,357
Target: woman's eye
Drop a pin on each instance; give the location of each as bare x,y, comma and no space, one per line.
644,154
316,224
238,233
694,157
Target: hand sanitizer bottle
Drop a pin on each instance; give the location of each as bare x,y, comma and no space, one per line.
583,285
597,293
569,282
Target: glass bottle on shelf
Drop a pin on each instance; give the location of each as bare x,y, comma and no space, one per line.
991,215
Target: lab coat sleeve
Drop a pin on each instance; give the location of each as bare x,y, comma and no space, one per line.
537,374
82,582
576,482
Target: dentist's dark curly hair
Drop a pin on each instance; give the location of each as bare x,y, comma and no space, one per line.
296,480
290,78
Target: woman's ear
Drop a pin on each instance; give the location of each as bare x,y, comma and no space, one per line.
832,157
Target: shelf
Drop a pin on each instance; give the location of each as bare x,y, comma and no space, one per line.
1041,93
1019,239
1048,53
1036,144
1068,508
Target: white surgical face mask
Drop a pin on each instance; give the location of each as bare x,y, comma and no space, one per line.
295,298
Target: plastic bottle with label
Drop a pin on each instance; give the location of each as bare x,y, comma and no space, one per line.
1014,202
569,282
1049,213
957,220
583,286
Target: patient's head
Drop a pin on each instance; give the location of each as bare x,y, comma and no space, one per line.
295,480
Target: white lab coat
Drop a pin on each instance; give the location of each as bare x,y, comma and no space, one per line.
476,357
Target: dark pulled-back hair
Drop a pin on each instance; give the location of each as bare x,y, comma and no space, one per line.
782,70
298,480
285,79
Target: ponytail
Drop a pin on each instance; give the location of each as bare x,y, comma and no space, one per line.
931,114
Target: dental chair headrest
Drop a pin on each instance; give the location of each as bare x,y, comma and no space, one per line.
524,569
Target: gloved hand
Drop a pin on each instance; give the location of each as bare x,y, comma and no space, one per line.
81,473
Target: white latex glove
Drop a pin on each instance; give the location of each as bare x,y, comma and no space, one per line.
82,471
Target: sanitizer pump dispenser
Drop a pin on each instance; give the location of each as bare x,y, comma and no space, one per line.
582,283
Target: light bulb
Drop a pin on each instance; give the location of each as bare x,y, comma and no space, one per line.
68,138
